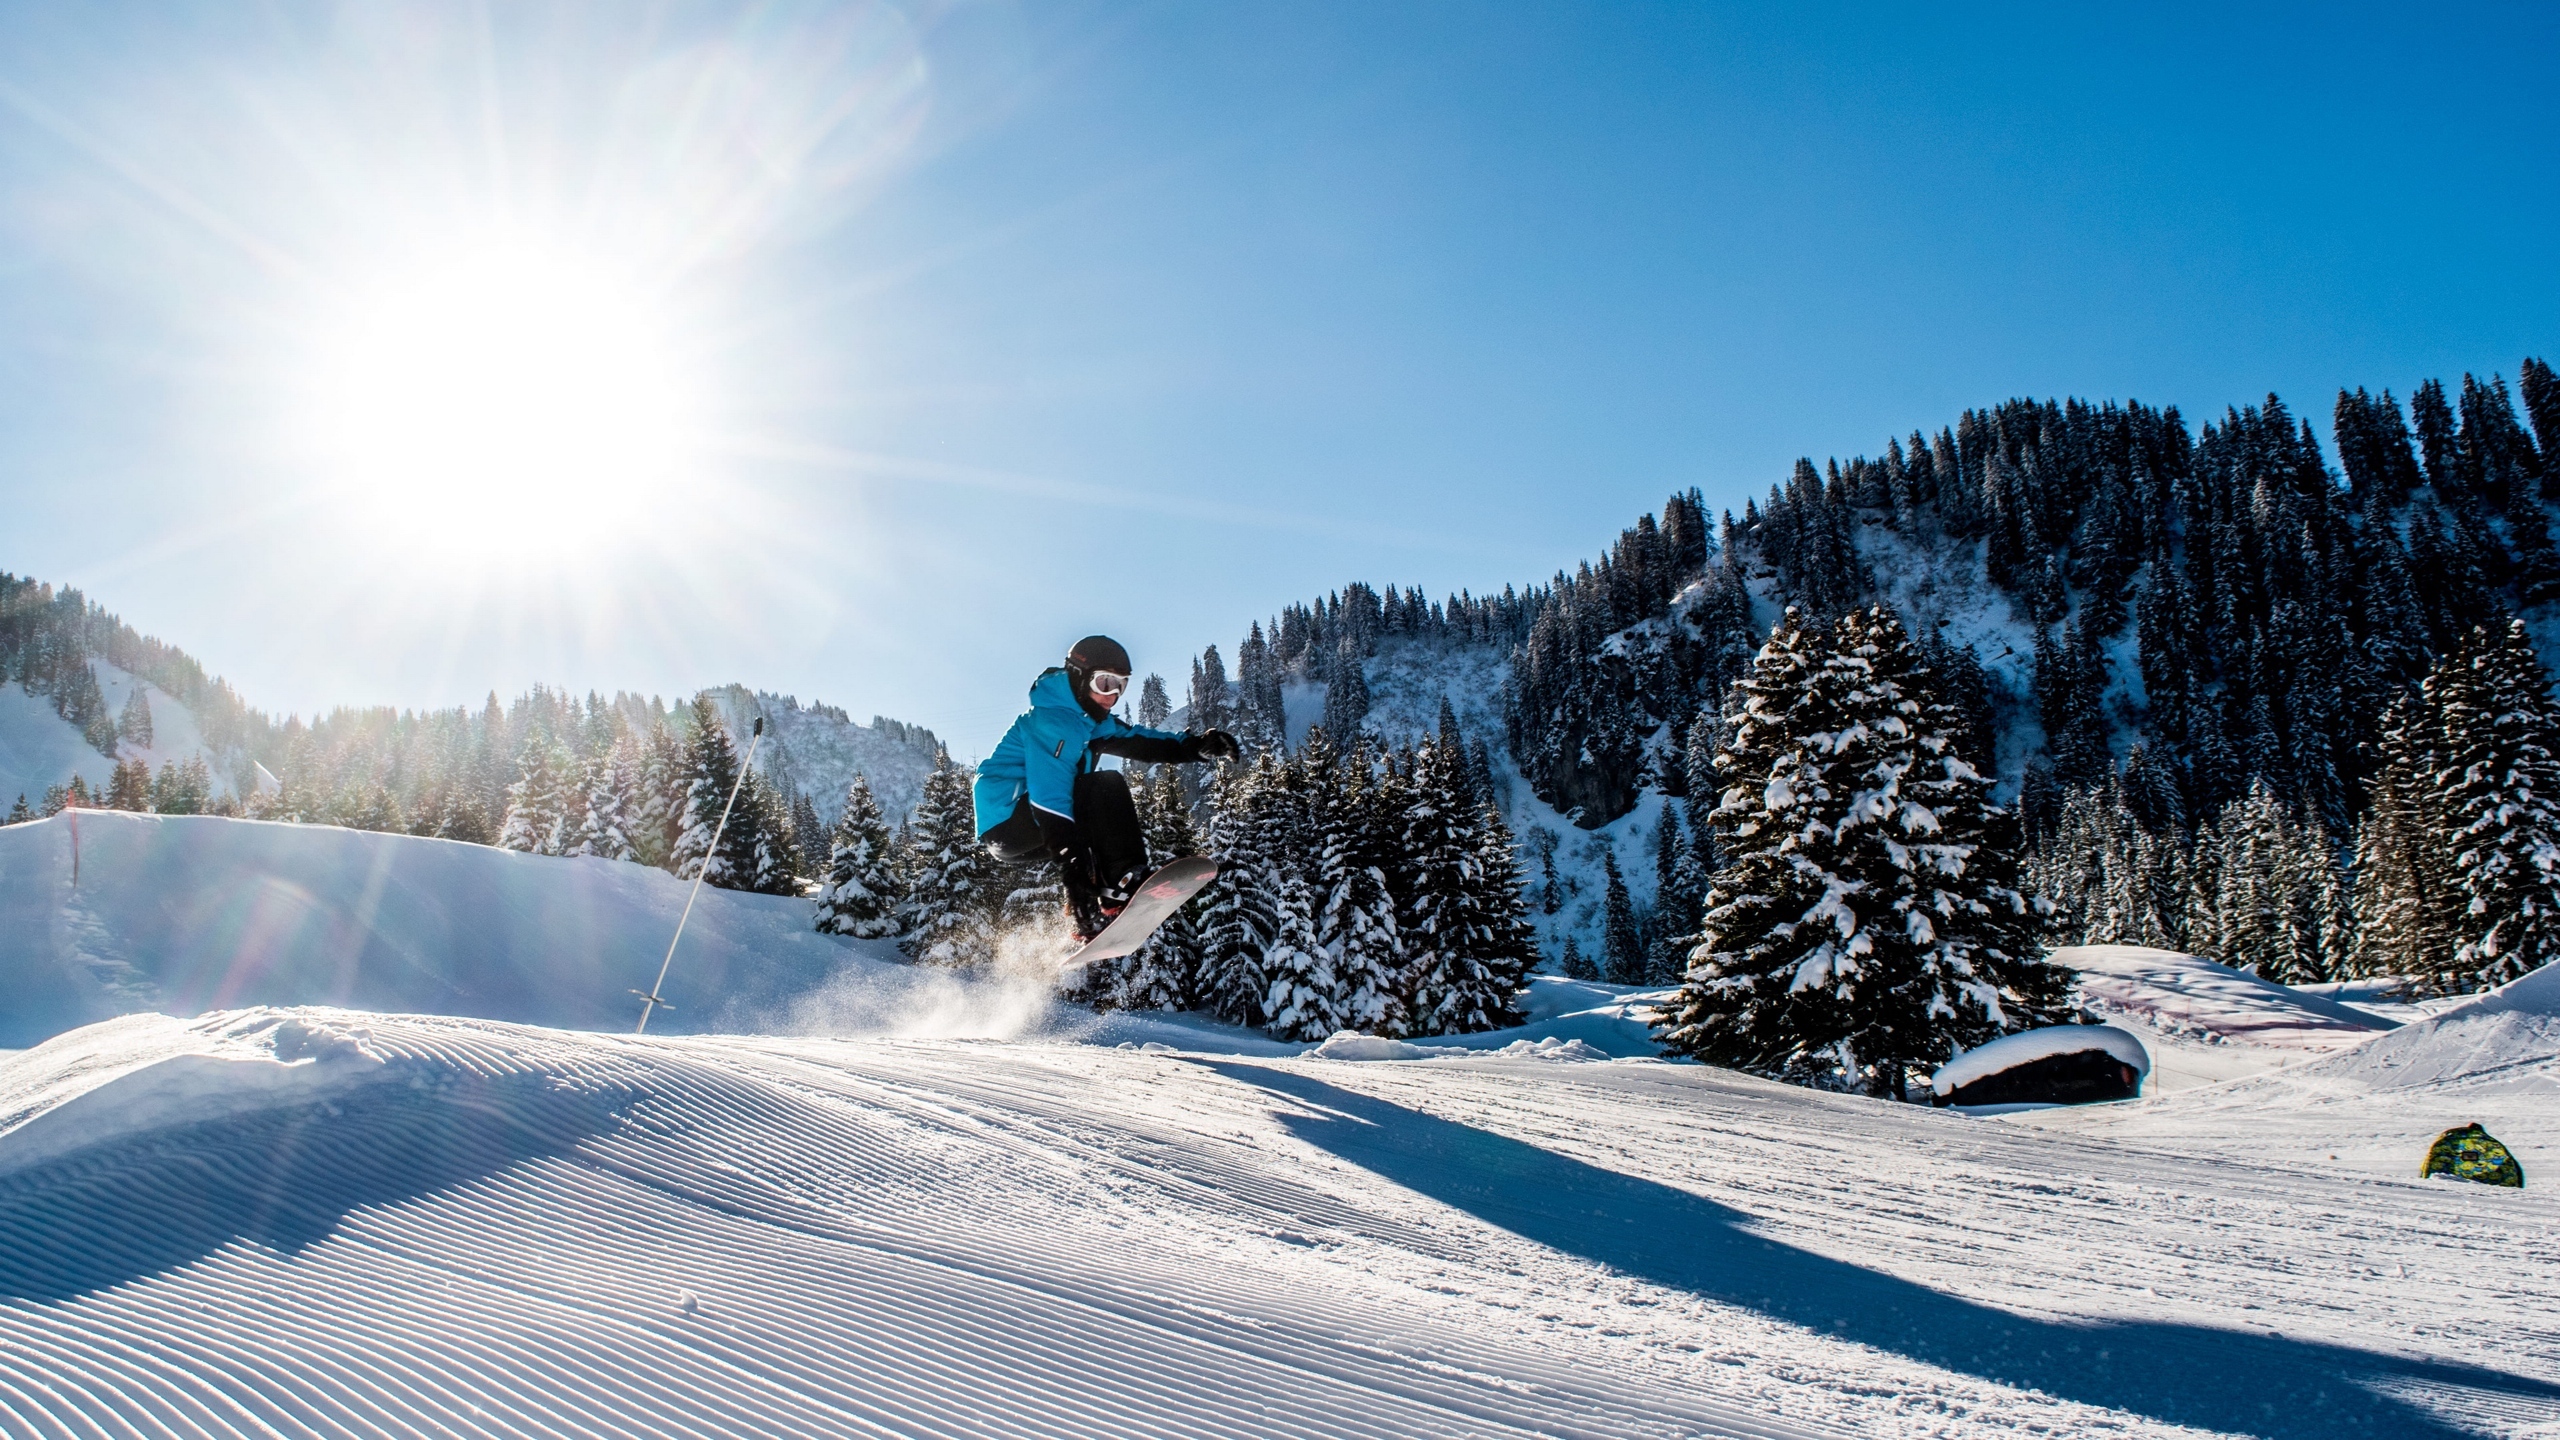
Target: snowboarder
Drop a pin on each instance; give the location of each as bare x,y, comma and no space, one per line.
1040,793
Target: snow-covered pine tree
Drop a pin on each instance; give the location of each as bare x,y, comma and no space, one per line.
133,724
1356,914
658,799
183,787
2500,792
1164,973
1250,840
1870,916
1346,695
129,788
810,835
2275,892
1208,698
947,913
1502,948
1259,711
779,863
1437,854
2408,905
1154,706
1480,773
710,773
20,812
1622,954
534,808
1300,1002
1678,887
606,830
858,891
1576,965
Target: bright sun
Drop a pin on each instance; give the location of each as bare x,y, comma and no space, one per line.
499,399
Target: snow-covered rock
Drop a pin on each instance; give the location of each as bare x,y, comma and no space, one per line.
2028,1046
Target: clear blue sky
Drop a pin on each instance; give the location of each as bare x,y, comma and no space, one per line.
1004,323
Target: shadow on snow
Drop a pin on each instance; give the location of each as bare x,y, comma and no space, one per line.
280,1179
2185,1374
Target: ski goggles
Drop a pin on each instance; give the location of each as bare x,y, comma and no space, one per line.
1104,683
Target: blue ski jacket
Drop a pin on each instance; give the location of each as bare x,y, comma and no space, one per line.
1048,747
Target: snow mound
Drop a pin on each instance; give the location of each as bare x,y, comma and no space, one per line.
1551,1048
2510,1035
144,1073
188,913
2188,995
2029,1046
1353,1045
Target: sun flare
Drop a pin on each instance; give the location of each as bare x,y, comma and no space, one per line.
500,397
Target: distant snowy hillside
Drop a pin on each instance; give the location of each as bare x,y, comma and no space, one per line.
186,913
39,749
818,750
325,1223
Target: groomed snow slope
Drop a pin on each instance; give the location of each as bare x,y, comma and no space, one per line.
190,912
400,1226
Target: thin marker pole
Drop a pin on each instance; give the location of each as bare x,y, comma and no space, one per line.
650,1001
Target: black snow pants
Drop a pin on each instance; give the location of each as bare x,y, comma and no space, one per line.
1101,849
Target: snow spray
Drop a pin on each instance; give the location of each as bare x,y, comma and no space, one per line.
650,999
1012,997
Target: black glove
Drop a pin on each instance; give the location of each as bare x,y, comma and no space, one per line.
1214,745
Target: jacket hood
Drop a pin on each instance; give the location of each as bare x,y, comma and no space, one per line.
1054,691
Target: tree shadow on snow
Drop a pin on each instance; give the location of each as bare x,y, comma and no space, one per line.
2185,1374
281,1179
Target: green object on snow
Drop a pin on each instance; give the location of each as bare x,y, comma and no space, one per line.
2471,1153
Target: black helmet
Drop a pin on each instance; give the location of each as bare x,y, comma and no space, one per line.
1097,652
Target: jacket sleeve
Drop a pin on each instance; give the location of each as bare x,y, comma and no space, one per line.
1136,742
1053,746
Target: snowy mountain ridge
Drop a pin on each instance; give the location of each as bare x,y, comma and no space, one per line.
817,750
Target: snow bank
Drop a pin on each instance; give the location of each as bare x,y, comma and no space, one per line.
2029,1046
2192,996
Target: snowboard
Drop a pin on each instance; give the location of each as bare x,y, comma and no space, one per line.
1157,897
